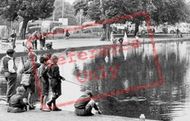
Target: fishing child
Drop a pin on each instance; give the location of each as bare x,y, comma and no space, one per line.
55,83
85,104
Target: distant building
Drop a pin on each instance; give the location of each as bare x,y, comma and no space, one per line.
64,21
40,25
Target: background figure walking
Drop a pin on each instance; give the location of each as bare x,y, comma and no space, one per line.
42,39
34,39
13,38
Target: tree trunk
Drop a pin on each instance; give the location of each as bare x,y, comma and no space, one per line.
106,33
23,29
136,28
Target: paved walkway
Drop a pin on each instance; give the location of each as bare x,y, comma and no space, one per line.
58,44
82,42
38,115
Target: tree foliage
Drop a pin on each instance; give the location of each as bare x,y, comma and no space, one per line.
170,11
109,8
160,10
27,9
105,9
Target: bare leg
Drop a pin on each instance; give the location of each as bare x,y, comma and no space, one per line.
29,99
44,102
30,102
41,102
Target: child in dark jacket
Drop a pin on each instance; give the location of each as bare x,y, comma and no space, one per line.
44,82
55,82
17,103
85,104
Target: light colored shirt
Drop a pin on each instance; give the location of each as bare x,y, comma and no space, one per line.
1,66
11,65
41,70
27,44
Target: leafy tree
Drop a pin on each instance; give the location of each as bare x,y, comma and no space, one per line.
171,11
28,10
97,10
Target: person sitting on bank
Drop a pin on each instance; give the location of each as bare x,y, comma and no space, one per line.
85,104
18,103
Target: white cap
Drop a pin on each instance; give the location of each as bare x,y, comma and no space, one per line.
136,37
142,116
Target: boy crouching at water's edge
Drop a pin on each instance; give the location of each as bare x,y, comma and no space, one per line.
85,104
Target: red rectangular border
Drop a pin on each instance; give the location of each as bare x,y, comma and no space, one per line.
156,83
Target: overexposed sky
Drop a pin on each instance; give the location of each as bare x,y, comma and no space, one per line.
70,1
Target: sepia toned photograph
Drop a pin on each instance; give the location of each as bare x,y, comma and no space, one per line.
94,60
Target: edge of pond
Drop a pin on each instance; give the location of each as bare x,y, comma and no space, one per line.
170,40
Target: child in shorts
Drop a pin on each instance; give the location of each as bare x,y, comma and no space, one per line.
44,82
55,82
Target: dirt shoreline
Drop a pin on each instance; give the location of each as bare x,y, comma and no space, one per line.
37,115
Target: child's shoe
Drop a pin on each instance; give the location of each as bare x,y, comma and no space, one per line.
56,109
49,105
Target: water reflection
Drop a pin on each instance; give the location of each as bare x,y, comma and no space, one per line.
114,69
120,68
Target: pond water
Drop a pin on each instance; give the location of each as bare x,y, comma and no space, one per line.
117,73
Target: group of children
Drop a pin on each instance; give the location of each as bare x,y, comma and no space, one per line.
49,76
38,36
31,42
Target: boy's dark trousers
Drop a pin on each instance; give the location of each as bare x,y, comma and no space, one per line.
83,112
11,85
34,44
56,89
